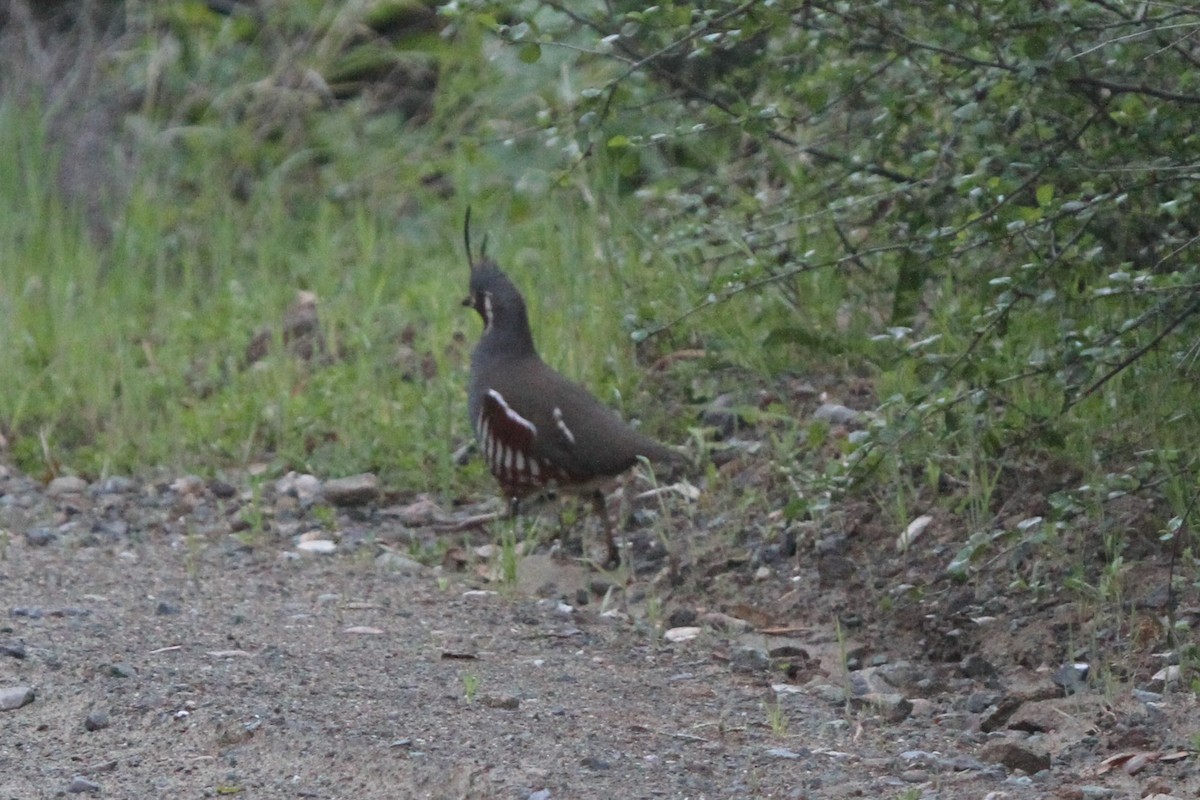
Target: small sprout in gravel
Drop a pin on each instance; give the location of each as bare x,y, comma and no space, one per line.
470,686
508,558
776,719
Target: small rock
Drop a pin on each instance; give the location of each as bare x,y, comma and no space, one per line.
222,490
15,697
834,695
1167,676
113,529
165,609
507,702
318,546
682,618
783,752
978,702
976,666
725,623
595,764
355,490
307,488
836,414
389,559
29,612
681,634
540,794
749,660
835,544
422,511
188,485
1015,755
117,484
96,721
893,707
80,785
1072,677
122,670
722,417
39,537
13,650
66,484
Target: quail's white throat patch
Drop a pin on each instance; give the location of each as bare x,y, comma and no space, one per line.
487,319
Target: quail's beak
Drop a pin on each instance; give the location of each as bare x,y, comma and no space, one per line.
467,301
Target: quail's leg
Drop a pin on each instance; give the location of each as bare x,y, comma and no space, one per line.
610,541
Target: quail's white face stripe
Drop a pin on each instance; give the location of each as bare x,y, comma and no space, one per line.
512,415
487,310
562,426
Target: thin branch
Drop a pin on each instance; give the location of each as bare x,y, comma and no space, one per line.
1135,355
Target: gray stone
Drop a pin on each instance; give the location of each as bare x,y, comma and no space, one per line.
976,666
81,785
122,670
836,414
389,559
14,697
116,485
39,537
892,707
96,721
355,490
835,695
749,660
978,702
66,484
783,752
506,702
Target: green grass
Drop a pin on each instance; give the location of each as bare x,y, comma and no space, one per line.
135,357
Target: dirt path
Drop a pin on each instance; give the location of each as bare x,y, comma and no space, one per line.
183,664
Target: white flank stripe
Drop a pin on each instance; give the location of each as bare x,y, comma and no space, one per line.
562,426
512,415
520,458
534,469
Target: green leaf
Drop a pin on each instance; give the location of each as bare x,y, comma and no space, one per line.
618,142
530,53
1045,193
